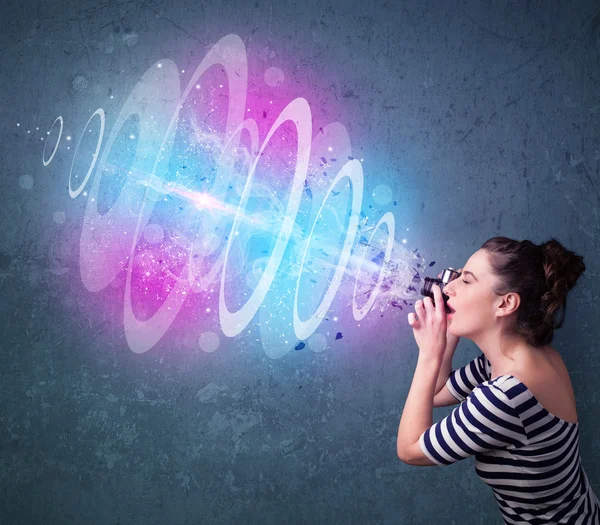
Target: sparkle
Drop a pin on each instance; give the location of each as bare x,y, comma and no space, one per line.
69,137
131,136
159,65
18,124
85,193
197,86
330,148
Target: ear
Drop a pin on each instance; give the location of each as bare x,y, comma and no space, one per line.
509,304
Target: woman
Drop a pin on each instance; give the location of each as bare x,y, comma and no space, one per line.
517,414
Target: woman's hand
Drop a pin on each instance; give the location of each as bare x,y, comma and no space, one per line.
429,328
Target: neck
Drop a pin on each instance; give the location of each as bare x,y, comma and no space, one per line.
503,352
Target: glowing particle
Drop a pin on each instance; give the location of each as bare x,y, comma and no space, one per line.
159,64
274,76
221,85
335,318
68,137
85,193
154,233
18,124
330,148
209,341
197,86
382,194
131,136
37,129
26,182
317,342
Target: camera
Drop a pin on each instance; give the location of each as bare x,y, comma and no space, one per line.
449,274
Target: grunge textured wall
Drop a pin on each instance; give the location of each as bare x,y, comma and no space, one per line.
467,120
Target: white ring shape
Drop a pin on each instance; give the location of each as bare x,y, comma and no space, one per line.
75,193
353,170
388,218
297,112
58,119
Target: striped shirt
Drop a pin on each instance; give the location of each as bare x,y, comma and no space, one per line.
529,457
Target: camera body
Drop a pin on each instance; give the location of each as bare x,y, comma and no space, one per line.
448,275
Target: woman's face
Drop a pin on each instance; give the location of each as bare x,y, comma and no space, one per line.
472,299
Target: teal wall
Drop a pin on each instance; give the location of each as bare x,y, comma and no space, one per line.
483,117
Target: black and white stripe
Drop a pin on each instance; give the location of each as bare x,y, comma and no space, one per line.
529,457
463,380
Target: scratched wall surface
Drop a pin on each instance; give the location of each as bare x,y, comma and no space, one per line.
481,117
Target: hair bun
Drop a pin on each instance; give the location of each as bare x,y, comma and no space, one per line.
562,268
542,275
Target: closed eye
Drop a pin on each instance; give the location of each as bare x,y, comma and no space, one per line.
465,281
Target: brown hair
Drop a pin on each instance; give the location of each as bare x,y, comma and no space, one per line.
541,275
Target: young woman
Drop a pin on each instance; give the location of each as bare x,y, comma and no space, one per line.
517,412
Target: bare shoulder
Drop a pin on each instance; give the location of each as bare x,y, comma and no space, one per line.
560,367
546,372
546,375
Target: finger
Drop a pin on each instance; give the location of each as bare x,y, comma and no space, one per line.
420,309
439,300
429,308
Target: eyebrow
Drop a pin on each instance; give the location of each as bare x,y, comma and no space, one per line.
471,273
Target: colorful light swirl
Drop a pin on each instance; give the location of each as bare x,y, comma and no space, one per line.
186,201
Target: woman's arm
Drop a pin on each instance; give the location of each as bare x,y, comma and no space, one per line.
417,415
446,366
